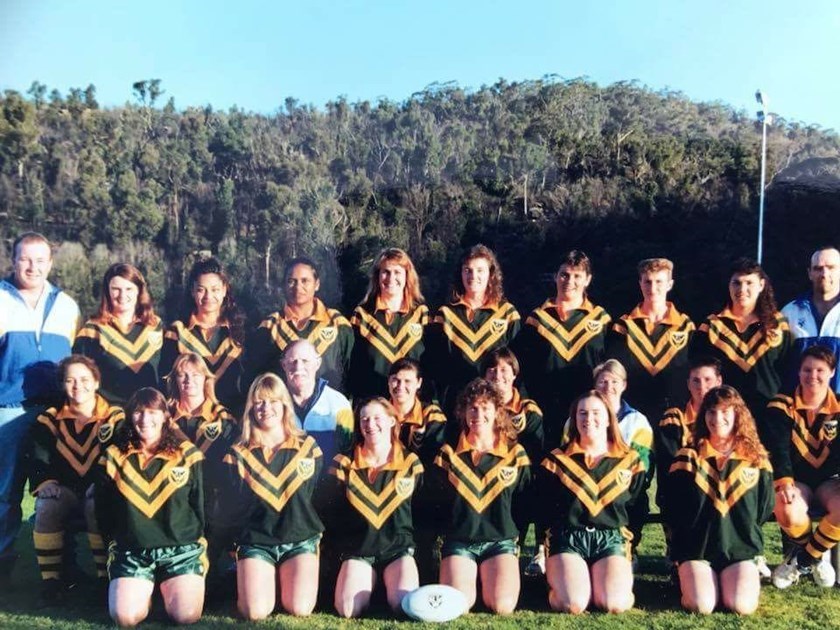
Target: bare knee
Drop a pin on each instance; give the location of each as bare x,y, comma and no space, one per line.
700,605
253,612
615,602
504,605
185,616
299,607
572,606
741,605
128,618
350,606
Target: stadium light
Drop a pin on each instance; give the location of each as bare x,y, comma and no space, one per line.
765,119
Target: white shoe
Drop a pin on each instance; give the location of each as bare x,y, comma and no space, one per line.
536,567
764,571
787,573
823,572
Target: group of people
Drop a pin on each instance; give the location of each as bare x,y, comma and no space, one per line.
467,427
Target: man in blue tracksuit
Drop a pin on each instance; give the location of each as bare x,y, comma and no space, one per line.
815,318
37,324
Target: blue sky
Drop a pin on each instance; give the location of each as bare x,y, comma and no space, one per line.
256,54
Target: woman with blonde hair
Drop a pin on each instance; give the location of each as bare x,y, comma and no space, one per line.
480,477
389,323
125,337
588,484
275,467
377,483
717,535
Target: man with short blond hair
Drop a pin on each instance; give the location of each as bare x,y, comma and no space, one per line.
38,322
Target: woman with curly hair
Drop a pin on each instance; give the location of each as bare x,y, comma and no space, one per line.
150,506
720,493
212,326
389,324
125,337
275,468
480,476
750,337
588,485
477,320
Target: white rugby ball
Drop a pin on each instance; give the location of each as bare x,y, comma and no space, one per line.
435,602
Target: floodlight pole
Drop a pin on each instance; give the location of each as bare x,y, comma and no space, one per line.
762,116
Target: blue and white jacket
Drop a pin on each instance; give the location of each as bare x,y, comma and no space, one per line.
802,317
32,342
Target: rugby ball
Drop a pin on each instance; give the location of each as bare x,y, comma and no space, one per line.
435,602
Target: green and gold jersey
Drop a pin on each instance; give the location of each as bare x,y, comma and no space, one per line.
328,330
423,430
375,503
802,443
213,430
382,338
67,453
481,487
527,418
158,502
463,337
655,356
676,430
717,505
582,493
127,358
558,354
753,361
221,353
274,489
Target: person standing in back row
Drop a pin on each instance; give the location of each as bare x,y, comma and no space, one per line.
815,318
652,341
38,322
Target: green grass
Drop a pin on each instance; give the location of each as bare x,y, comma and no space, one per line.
657,604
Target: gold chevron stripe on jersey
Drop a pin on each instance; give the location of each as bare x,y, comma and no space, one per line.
377,507
283,333
277,489
595,496
80,450
133,354
149,495
569,341
473,344
724,492
480,492
655,356
392,347
218,360
808,440
744,354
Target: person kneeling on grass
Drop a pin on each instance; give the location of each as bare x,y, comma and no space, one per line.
150,505
67,442
588,485
376,485
801,434
719,493
481,475
274,470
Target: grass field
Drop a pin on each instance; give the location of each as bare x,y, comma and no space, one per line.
657,604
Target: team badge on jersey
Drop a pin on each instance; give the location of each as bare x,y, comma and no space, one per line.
179,475
328,333
679,339
507,475
106,431
306,467
155,338
518,422
405,486
415,330
829,430
624,477
749,476
774,338
594,326
212,430
499,325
